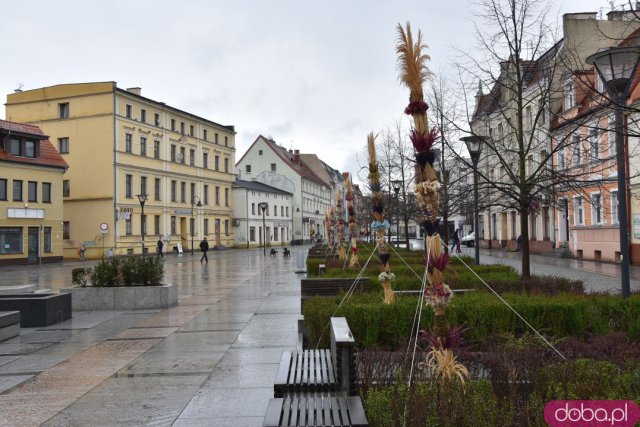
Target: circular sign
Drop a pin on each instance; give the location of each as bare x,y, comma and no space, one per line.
104,226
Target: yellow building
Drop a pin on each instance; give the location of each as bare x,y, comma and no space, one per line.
31,173
118,145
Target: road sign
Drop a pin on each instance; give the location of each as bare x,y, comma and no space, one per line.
104,228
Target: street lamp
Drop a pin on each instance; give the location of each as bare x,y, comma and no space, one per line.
142,198
474,145
193,223
396,188
616,66
264,206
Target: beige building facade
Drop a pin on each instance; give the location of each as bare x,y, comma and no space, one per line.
119,145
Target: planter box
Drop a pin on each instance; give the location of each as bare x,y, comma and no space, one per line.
38,309
123,297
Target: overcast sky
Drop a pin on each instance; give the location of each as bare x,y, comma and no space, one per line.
316,76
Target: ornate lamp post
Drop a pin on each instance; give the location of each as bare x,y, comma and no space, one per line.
193,223
616,66
396,188
264,206
474,145
142,198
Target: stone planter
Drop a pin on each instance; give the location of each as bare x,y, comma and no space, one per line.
122,297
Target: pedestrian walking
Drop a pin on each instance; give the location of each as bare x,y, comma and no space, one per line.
204,247
81,251
160,246
456,240
519,241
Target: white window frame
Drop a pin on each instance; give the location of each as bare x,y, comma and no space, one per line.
613,200
576,148
569,95
594,142
578,206
596,208
611,135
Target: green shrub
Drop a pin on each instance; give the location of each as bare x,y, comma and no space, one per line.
106,273
80,276
373,322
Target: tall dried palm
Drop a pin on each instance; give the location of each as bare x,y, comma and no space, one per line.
412,62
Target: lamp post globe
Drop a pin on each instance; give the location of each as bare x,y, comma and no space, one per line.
142,198
616,67
474,146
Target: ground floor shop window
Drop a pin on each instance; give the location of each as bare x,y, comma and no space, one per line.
252,234
47,239
10,240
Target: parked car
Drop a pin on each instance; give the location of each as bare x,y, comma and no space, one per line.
469,239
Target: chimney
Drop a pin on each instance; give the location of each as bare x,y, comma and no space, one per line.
135,90
296,156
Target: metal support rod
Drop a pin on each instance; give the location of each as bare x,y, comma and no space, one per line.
142,226
622,198
476,222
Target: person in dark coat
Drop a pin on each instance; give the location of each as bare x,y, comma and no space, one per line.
160,246
204,247
456,240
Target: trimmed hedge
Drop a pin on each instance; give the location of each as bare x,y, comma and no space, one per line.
372,322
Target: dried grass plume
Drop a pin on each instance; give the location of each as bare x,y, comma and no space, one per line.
412,62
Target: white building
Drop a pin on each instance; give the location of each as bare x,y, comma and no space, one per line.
251,227
269,163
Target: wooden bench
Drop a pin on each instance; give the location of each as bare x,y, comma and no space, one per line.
319,370
330,287
315,411
318,387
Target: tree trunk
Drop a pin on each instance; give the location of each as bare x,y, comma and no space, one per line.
524,244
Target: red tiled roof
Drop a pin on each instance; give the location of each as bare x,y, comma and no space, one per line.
299,166
47,154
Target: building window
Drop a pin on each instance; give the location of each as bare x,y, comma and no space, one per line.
578,207
193,191
23,148
192,157
143,224
156,149
191,130
128,111
156,119
173,153
46,192
174,186
596,209
614,207
32,195
143,146
183,155
594,140
17,190
206,194
205,160
10,240
226,227
252,234
143,185
287,211
3,189
66,188
156,225
247,168
226,141
14,147
63,145
173,125
569,99
182,128
183,192
128,186
217,195
275,234
63,110
66,230
216,163
173,225
156,189
273,167
281,210
561,161
143,115
253,208
577,150
215,138
226,197
47,239
206,227
275,210
259,152
204,134
127,226
226,165
192,226
127,143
